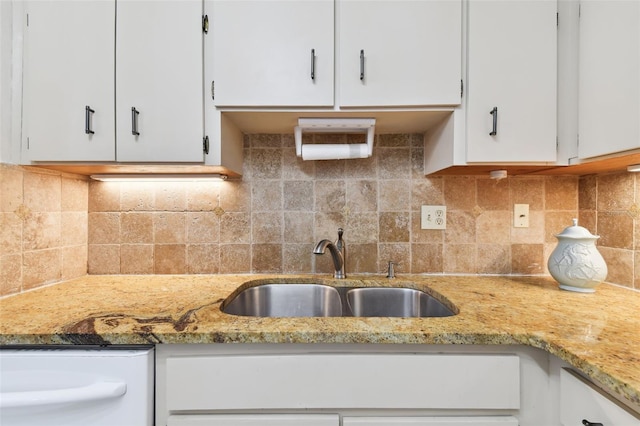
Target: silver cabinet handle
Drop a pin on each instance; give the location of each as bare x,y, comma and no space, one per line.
134,121
362,65
88,113
313,64
494,112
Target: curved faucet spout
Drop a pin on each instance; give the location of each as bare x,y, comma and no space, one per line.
336,256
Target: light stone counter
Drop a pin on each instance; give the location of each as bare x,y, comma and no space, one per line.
598,333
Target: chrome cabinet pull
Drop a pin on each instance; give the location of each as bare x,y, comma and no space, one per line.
134,121
362,65
313,64
88,113
494,112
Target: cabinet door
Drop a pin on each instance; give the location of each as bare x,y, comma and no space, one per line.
254,420
431,421
395,53
159,73
580,400
68,67
609,77
512,67
272,52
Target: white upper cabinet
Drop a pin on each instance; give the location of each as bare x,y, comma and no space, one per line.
159,73
272,52
390,53
609,77
77,110
399,53
69,88
512,72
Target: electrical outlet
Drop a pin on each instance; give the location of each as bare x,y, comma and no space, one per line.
521,215
434,217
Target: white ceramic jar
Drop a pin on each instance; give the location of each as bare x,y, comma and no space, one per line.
576,263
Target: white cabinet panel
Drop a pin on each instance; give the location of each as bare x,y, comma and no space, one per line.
430,421
262,52
397,53
335,381
68,65
255,420
512,66
411,52
73,49
159,72
579,400
609,77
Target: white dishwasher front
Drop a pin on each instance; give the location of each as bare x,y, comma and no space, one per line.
76,386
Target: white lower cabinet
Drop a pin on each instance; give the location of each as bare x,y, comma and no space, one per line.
430,421
299,386
343,381
581,400
375,385
332,420
255,420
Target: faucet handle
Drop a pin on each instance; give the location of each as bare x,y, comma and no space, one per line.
391,273
340,242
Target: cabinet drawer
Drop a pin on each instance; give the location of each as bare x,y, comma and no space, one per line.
402,381
580,400
431,421
254,420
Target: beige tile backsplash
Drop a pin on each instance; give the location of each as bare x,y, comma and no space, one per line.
57,226
43,233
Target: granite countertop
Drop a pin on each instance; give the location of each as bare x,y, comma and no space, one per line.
598,333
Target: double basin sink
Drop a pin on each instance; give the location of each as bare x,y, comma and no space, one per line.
298,299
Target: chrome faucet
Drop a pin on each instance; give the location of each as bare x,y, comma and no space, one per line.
338,254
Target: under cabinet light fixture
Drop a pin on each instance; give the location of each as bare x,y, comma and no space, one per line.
634,168
153,177
498,174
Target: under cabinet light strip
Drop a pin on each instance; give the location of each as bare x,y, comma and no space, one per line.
152,177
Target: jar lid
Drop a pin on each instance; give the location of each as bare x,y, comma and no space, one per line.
577,232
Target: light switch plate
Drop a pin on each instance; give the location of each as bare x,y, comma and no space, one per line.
434,217
521,215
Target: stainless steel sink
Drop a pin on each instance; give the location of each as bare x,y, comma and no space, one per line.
394,302
287,300
318,300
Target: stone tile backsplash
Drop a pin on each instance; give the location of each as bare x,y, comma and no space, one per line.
57,226
43,231
269,221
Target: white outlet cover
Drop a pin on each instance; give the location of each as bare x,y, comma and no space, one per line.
434,217
521,215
